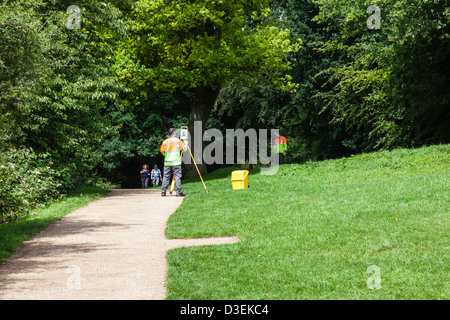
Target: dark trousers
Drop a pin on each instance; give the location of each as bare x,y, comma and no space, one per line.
281,158
176,170
145,182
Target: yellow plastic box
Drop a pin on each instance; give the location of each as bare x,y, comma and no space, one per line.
239,179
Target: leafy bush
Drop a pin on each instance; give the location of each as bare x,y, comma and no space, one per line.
26,181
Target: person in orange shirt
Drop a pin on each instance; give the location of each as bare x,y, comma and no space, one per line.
172,148
280,146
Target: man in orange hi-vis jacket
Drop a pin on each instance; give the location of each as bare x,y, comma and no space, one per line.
171,148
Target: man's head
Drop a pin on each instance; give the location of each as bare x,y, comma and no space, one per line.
171,132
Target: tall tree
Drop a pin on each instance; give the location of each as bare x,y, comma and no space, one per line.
194,48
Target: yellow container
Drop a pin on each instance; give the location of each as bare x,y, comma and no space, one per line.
239,179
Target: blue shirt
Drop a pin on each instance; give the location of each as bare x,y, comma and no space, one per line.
144,173
156,173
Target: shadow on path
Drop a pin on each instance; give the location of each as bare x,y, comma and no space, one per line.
112,248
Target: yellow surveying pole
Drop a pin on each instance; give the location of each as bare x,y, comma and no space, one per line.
184,135
197,169
173,184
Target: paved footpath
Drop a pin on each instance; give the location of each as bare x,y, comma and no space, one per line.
112,248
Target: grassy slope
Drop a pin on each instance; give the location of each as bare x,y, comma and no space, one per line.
312,230
14,234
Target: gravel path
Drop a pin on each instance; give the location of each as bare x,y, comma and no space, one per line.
113,248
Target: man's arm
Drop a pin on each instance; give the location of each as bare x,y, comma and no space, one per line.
182,146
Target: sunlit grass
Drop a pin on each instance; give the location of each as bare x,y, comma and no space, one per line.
312,230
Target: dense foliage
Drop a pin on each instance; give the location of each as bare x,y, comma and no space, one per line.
55,83
360,89
27,181
393,89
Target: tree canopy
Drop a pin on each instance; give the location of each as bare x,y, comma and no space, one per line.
185,45
193,49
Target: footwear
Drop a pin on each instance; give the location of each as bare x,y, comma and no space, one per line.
163,194
180,194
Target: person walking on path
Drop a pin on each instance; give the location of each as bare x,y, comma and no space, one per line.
145,176
171,148
156,176
280,147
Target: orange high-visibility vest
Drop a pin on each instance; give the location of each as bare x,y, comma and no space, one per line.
171,149
280,145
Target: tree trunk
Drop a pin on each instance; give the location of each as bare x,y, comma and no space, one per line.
201,101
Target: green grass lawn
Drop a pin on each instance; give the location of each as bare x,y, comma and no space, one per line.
14,234
311,231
